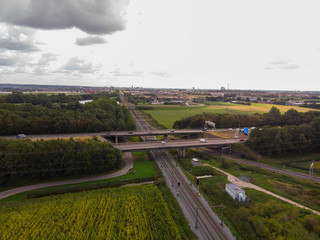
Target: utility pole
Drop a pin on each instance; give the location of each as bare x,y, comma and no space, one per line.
311,169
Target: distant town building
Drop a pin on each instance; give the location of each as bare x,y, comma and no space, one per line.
236,192
195,162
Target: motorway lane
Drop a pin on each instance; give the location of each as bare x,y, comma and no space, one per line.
172,144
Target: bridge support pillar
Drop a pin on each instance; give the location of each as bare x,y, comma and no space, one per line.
184,152
116,140
166,137
125,139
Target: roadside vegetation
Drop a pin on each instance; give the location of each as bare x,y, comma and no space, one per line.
26,161
264,217
275,141
102,114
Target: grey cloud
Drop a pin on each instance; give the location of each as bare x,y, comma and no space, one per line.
46,58
91,16
90,40
14,44
43,63
76,65
290,67
8,61
283,64
17,39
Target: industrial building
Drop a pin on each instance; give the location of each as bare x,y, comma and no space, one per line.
236,192
195,162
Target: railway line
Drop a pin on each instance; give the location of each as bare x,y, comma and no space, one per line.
206,222
203,221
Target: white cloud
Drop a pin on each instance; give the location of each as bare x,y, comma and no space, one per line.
76,65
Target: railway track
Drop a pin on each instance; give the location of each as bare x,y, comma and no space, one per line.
202,220
206,221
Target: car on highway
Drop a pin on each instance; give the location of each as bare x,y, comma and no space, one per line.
229,129
202,140
21,136
130,131
241,140
163,142
172,130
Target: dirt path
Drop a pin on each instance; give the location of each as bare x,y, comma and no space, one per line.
241,183
128,165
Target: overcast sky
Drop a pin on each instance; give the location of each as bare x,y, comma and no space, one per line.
248,44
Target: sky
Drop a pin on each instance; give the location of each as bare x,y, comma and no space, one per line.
205,44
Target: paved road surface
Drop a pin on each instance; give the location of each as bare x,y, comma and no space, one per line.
157,145
128,165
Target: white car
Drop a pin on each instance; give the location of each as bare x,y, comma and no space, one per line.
202,140
163,142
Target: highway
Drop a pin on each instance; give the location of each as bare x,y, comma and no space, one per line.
203,221
157,145
165,132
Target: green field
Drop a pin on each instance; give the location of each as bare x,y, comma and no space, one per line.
136,212
282,185
166,115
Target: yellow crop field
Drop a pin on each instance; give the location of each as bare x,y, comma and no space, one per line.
168,114
135,212
258,108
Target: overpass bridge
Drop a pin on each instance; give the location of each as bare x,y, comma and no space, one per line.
165,133
148,146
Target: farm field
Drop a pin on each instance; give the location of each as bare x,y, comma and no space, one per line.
135,212
167,115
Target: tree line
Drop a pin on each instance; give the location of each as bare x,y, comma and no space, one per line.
44,160
273,141
103,114
272,118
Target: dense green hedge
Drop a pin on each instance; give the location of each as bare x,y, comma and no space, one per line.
103,114
27,161
288,139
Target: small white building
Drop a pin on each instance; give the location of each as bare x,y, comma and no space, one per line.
236,192
195,162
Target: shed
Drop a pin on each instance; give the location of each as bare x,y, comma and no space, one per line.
236,192
195,162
